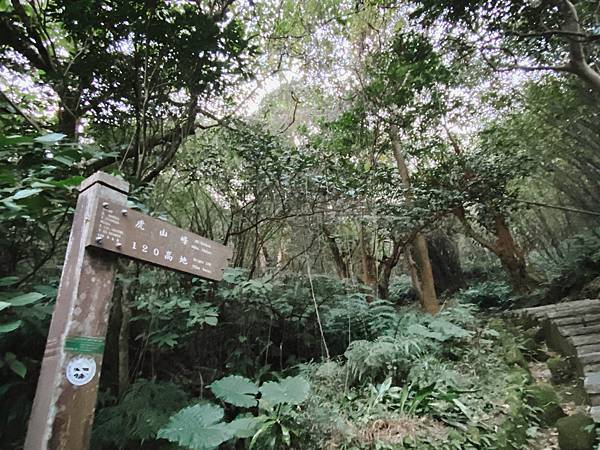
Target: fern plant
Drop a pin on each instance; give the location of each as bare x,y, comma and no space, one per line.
407,337
143,410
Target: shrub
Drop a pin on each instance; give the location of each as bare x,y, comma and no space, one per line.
488,294
145,407
401,290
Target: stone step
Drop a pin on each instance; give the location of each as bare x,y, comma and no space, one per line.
578,320
581,311
591,367
573,328
595,413
580,329
580,341
589,358
541,312
585,349
591,383
572,304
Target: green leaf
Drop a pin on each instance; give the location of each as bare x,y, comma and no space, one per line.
64,159
50,138
25,299
236,390
47,289
10,326
290,390
460,405
14,140
4,305
72,181
24,193
245,427
15,365
263,430
198,427
420,330
38,184
8,281
448,329
211,320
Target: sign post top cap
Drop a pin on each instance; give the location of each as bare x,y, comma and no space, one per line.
105,179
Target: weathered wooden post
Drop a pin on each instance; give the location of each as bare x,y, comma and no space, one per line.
103,228
63,409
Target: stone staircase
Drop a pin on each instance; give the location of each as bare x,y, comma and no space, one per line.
573,329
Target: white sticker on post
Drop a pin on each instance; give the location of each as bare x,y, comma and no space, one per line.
81,370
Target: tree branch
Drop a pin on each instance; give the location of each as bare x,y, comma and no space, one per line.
22,113
460,214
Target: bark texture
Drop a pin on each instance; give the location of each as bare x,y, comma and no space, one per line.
421,271
510,254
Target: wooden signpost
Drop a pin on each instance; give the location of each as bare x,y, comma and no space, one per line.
103,228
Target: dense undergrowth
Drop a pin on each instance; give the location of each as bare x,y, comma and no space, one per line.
395,377
401,379
364,373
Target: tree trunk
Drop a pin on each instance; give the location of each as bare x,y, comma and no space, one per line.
423,275
428,295
578,61
369,275
512,257
281,251
124,338
445,262
67,122
412,268
341,267
386,266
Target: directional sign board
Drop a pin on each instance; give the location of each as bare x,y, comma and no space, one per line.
136,235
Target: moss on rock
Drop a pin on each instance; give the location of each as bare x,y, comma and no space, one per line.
512,433
560,369
543,396
536,333
533,349
512,355
576,432
519,376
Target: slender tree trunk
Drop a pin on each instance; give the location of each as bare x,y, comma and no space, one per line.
383,284
414,274
341,267
67,122
124,340
386,266
512,257
263,261
122,302
578,61
423,274
281,251
369,275
429,297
